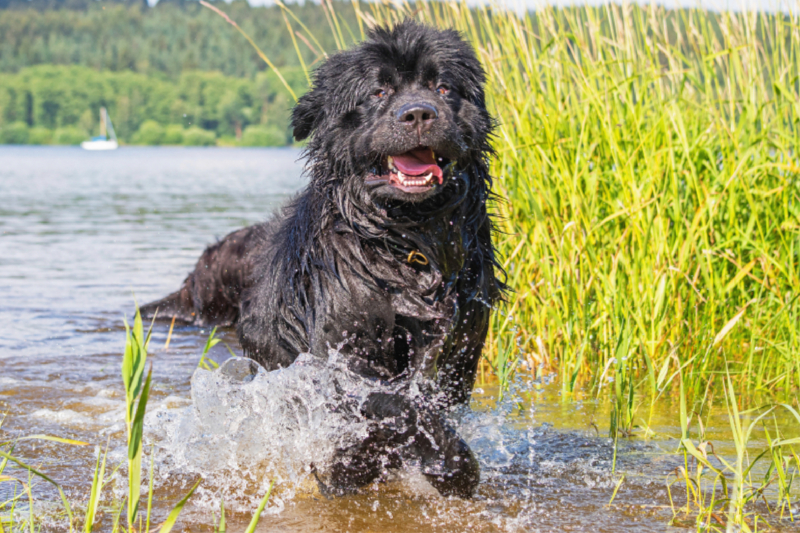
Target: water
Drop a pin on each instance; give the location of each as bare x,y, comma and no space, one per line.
82,233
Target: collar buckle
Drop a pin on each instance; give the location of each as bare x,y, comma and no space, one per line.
417,257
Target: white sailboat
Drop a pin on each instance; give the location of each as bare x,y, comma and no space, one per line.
102,142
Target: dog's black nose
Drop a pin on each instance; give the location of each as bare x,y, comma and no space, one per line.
417,115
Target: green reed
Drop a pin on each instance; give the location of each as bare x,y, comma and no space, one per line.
722,493
22,491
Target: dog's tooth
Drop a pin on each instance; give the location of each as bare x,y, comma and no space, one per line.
390,162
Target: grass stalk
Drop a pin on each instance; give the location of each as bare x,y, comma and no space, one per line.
137,392
257,515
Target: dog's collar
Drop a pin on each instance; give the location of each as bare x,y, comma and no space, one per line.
411,256
415,256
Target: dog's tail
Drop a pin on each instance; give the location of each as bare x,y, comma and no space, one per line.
178,305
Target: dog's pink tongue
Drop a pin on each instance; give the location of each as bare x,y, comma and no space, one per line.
418,163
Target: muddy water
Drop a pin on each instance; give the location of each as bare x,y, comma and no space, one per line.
81,233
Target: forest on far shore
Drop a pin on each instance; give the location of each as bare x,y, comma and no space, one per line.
174,73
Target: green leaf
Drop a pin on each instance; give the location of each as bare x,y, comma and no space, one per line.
694,452
127,359
683,414
728,326
97,489
150,489
135,452
786,442
137,425
662,375
54,439
211,341
740,275
173,515
660,293
254,522
41,475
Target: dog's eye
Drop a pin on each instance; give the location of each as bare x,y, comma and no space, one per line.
380,93
442,90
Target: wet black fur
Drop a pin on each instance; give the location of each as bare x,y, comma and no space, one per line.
331,270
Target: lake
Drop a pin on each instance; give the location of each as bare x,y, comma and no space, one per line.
84,234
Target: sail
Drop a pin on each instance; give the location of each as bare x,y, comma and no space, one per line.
110,126
103,121
102,142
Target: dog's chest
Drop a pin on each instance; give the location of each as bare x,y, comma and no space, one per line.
426,266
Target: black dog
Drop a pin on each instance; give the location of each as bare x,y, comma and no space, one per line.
387,254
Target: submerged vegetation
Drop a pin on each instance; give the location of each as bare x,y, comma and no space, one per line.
649,207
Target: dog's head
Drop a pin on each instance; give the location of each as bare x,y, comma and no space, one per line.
395,116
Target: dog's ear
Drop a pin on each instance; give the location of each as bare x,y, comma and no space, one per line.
307,113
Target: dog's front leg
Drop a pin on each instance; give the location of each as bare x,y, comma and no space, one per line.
416,425
402,427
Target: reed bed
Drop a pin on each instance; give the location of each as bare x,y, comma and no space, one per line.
647,167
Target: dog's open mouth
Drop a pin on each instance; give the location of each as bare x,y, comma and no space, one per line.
415,171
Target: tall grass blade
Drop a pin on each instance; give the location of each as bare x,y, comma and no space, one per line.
261,54
176,511
97,489
137,391
150,487
35,472
52,439
221,527
257,515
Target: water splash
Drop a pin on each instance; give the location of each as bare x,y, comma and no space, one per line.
246,426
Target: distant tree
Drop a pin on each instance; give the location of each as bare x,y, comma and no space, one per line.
174,64
173,134
264,136
15,133
69,136
151,132
195,136
53,97
39,135
170,38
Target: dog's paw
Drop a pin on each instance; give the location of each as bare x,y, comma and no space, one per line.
455,472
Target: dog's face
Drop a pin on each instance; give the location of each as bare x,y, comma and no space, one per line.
398,114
